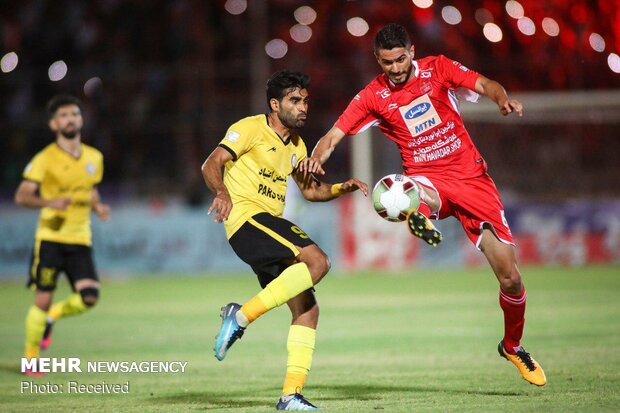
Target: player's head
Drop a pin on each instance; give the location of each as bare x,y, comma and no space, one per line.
65,116
287,96
394,52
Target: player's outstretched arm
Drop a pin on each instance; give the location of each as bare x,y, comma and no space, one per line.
102,210
26,195
497,94
212,174
317,191
322,151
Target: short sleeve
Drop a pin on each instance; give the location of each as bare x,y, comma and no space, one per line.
35,170
455,74
238,139
300,154
357,116
99,169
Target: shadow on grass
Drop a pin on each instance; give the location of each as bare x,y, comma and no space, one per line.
11,368
210,400
371,391
362,392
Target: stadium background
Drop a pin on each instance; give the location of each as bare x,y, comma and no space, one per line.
162,80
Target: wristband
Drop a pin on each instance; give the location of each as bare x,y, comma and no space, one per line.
336,190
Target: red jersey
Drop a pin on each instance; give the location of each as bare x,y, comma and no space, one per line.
422,117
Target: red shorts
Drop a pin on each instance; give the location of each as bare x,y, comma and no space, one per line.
475,202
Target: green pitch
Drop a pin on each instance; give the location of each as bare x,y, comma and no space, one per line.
424,342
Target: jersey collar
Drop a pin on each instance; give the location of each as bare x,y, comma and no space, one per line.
69,154
276,133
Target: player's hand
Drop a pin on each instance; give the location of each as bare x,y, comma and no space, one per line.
222,204
311,165
511,105
102,211
353,185
59,203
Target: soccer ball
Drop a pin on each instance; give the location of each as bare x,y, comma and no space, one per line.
394,196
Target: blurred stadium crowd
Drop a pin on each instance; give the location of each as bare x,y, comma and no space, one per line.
161,80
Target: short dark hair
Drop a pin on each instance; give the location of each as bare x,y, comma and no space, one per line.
391,36
283,81
59,101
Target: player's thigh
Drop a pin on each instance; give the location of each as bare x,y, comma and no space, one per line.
429,193
269,244
46,263
498,253
502,259
80,267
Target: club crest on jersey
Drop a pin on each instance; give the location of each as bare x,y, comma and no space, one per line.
232,136
420,115
90,168
293,160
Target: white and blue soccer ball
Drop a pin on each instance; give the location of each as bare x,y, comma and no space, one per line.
394,196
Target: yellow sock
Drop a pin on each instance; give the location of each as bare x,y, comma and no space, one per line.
293,281
300,345
72,305
35,327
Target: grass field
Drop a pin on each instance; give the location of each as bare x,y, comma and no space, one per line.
423,342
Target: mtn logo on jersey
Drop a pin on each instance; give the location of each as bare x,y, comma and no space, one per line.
420,115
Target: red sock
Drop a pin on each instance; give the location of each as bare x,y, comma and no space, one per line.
424,209
514,318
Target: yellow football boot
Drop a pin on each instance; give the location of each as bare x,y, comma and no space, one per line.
528,367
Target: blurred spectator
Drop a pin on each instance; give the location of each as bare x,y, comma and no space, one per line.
161,80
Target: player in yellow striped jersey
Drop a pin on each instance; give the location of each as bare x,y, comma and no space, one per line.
61,180
259,153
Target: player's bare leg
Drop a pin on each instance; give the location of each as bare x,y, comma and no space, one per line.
86,296
307,269
512,299
419,222
300,346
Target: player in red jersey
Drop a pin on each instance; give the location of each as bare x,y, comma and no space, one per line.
415,103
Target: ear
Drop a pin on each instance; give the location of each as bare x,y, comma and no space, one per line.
52,125
274,104
412,51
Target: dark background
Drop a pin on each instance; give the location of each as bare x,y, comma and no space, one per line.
175,74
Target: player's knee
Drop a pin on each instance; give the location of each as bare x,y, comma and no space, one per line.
90,296
318,263
510,279
321,265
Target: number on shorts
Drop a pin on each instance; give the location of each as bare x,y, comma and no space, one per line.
503,218
299,231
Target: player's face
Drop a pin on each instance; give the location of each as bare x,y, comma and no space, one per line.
293,109
67,121
396,63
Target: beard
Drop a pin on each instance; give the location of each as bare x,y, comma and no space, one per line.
406,77
70,132
290,121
